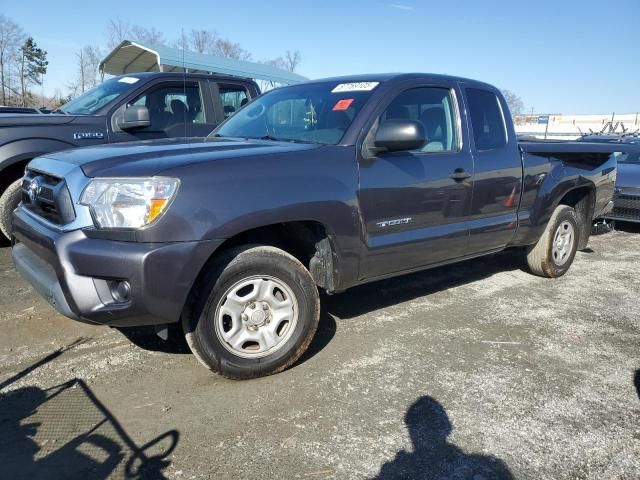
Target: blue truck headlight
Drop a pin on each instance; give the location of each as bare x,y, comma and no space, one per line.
128,202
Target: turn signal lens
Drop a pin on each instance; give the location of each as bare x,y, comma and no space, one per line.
157,206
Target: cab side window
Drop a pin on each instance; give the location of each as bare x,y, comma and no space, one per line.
487,120
173,104
233,98
434,108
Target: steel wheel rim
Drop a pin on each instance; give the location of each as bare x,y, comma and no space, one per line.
563,243
256,316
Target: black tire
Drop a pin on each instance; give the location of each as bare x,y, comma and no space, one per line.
199,318
541,258
9,201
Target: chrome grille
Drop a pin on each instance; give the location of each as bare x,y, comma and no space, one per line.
48,197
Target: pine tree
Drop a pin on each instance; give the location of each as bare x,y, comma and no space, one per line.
33,65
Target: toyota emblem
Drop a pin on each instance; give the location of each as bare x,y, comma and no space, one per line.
33,190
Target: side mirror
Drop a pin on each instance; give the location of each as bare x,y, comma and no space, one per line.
135,116
399,135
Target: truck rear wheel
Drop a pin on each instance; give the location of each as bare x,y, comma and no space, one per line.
9,201
254,313
554,253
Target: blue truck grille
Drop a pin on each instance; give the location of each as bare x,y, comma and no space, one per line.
48,197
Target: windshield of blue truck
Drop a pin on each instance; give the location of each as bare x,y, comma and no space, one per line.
310,113
93,100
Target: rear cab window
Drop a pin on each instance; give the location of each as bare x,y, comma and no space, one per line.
232,98
487,119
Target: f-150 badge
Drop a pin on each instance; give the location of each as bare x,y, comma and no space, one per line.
395,221
88,135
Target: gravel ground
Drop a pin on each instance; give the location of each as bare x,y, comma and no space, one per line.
477,370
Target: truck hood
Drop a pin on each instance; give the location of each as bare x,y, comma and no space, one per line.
628,175
35,119
148,158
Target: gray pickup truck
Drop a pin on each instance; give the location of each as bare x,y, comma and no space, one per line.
131,107
319,186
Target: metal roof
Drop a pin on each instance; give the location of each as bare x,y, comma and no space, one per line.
135,57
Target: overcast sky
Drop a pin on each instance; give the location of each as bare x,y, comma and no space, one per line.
561,56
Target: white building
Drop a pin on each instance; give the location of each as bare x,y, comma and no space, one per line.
571,126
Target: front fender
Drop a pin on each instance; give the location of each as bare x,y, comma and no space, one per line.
27,149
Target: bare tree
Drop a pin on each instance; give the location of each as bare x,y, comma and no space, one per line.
204,41
88,59
117,31
289,61
226,48
11,38
182,42
292,60
515,103
92,58
149,36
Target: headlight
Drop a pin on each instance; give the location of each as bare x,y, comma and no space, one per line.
128,202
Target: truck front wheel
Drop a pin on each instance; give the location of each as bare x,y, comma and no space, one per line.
9,201
253,313
554,253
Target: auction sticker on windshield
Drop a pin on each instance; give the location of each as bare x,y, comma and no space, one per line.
342,105
355,87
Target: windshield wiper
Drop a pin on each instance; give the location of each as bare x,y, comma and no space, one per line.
219,135
59,110
269,137
276,139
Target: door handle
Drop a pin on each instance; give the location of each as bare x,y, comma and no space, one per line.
459,175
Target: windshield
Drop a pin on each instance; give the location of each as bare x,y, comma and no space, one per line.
630,158
92,100
310,113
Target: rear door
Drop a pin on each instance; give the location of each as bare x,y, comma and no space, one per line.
497,181
176,109
415,204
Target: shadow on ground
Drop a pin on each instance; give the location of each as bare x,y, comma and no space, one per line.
433,456
65,432
147,339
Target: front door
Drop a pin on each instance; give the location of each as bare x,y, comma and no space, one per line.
415,204
176,109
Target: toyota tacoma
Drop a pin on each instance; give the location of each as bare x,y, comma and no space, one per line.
315,187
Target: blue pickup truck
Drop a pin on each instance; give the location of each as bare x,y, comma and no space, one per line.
138,106
319,186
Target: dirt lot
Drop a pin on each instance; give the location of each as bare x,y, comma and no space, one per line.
477,370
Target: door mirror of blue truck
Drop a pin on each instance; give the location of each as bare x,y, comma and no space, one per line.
135,116
399,135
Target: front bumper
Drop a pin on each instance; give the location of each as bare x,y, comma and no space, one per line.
626,205
74,273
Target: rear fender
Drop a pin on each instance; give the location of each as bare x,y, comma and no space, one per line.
549,179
